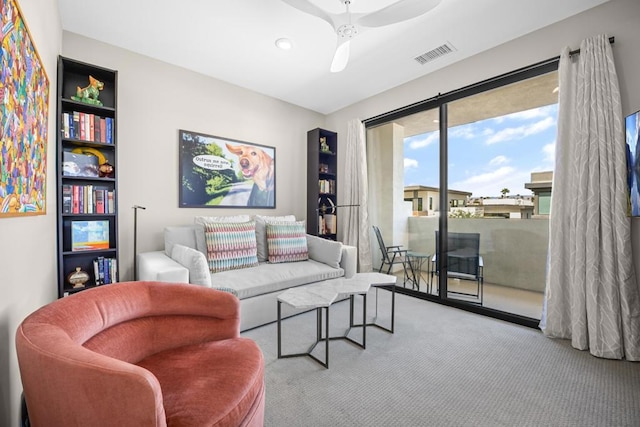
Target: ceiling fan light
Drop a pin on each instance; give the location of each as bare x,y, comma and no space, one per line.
284,44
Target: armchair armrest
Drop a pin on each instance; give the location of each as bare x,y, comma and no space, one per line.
396,250
158,267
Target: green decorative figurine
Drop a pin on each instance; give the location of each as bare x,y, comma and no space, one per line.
90,93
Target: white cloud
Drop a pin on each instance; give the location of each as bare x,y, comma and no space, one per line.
410,163
490,176
423,140
489,184
466,132
498,160
534,113
549,151
521,131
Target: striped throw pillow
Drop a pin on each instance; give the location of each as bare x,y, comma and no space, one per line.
230,245
287,242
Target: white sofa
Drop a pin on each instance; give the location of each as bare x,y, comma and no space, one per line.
184,260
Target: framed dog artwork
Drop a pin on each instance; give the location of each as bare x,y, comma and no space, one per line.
218,172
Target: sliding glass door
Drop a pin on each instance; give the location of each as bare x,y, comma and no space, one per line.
477,168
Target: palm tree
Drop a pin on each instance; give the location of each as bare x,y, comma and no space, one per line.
504,192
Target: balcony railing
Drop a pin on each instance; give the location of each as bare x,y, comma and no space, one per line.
514,250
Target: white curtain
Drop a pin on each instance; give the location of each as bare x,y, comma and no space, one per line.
591,296
355,220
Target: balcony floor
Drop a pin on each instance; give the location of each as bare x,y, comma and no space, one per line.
511,300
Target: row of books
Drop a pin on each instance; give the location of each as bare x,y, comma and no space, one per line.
87,127
327,224
87,199
327,186
105,270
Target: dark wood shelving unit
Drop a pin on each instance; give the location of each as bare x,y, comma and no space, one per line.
322,183
96,196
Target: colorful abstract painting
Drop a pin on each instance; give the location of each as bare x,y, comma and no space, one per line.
24,90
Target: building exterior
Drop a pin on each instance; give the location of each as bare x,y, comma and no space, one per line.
426,200
541,184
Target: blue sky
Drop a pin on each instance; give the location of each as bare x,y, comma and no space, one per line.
488,155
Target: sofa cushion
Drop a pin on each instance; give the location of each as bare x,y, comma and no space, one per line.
195,262
215,383
181,235
199,221
286,242
267,277
230,245
261,232
324,250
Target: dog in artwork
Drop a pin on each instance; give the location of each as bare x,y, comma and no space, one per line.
257,165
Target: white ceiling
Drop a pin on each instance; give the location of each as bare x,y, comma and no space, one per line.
234,40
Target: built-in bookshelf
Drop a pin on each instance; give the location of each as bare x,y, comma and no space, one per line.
322,181
87,168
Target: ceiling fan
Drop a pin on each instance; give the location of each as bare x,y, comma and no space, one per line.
348,25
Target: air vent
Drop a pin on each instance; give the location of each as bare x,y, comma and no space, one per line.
435,53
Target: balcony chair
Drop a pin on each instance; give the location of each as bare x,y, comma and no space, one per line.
463,261
393,255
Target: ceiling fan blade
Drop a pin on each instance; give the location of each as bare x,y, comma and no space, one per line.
307,7
341,57
397,12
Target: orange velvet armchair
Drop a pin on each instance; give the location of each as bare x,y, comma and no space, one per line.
141,354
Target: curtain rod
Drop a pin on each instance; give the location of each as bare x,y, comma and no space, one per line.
577,51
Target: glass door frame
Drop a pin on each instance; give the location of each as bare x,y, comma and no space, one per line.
441,102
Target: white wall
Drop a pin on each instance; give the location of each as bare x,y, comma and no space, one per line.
155,100
618,18
27,249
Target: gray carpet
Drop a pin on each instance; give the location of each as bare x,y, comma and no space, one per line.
442,367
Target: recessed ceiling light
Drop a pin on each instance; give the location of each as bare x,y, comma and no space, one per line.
284,44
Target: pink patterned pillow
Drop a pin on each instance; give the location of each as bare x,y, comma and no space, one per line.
230,245
287,242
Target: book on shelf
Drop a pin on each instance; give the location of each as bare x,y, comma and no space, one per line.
98,271
327,186
67,198
89,199
330,224
111,201
65,125
76,125
105,270
99,197
87,127
81,128
327,224
109,127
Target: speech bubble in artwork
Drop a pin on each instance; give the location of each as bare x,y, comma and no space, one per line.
211,162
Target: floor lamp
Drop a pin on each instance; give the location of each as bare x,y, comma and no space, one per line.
135,240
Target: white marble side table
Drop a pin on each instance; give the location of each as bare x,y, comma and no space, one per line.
321,295
377,280
305,298
351,287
